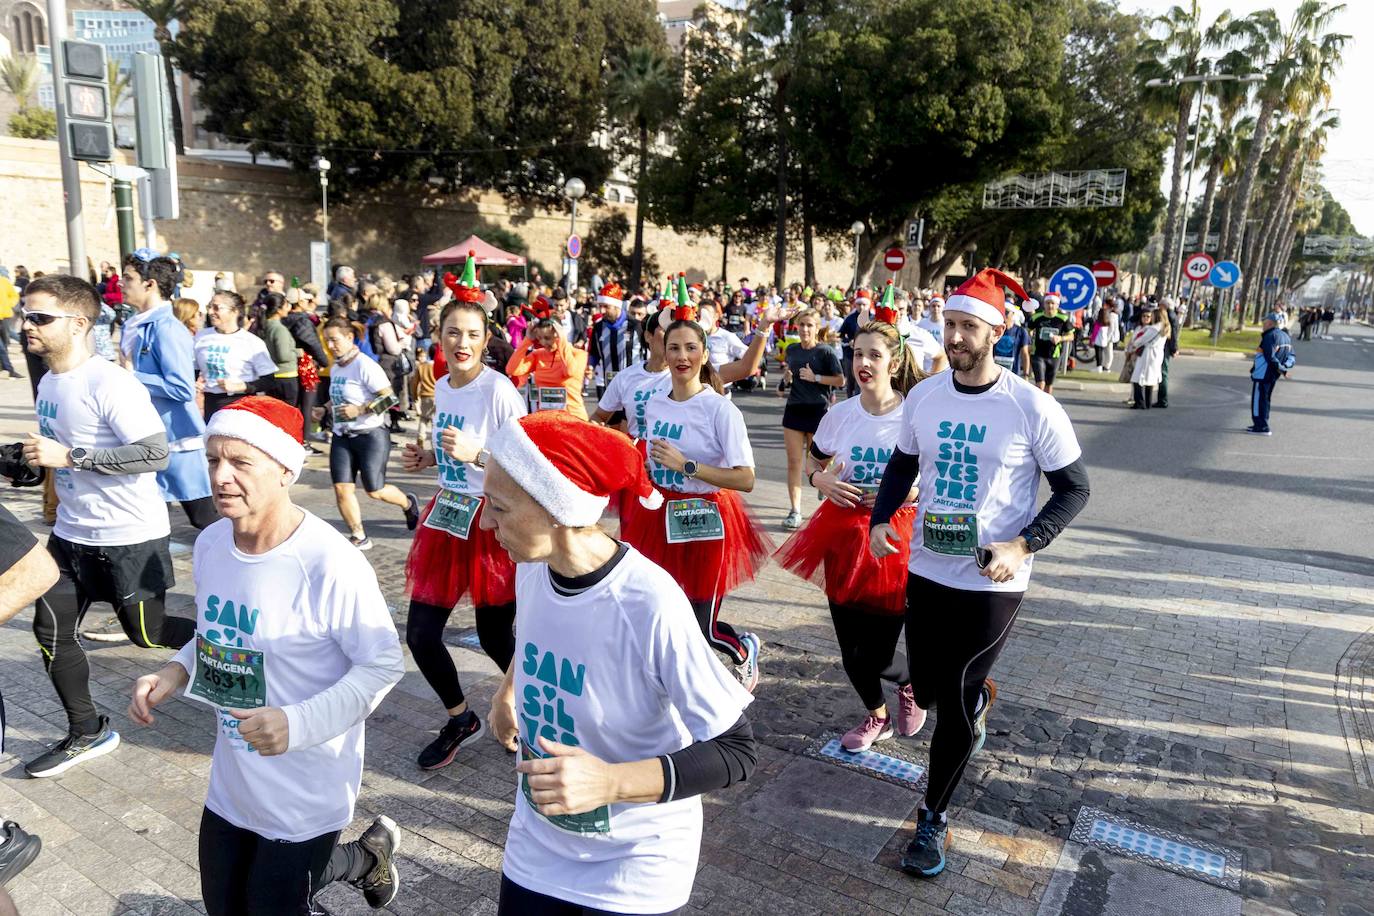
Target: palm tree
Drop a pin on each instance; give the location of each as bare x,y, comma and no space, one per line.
163,13
121,82
19,75
1174,55
1289,58
642,88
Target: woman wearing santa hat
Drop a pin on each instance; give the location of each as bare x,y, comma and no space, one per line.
452,555
621,715
699,454
846,462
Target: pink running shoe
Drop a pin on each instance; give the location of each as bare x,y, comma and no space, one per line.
871,730
910,717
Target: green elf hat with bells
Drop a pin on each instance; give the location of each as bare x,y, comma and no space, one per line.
684,310
465,289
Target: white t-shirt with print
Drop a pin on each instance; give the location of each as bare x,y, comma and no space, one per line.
622,671
924,346
863,441
936,329
358,383
241,356
478,409
312,607
981,458
707,429
99,405
724,347
630,391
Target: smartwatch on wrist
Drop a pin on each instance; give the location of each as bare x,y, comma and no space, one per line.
690,468
80,458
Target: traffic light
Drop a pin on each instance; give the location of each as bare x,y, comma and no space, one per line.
86,101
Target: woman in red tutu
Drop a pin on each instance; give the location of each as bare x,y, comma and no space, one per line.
867,597
453,555
700,458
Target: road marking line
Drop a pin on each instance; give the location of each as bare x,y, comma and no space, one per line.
1301,457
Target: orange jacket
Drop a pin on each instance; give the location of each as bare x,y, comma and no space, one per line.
562,367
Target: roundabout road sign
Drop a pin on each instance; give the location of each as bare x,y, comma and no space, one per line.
1076,284
1198,266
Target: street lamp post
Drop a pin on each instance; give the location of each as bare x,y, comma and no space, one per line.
858,230
573,189
322,165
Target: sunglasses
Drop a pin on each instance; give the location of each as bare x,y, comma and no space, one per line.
42,319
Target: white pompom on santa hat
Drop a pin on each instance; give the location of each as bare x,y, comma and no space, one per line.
571,467
981,295
267,424
611,294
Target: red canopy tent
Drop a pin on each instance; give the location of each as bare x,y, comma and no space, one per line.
483,254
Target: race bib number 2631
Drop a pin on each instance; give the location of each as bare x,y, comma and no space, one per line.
228,677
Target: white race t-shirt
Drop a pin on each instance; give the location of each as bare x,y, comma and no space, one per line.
478,409
924,346
358,383
312,607
864,442
724,347
936,329
630,391
622,671
240,356
981,458
707,429
99,405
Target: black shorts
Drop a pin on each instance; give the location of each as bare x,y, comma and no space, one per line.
1045,368
120,575
804,418
363,455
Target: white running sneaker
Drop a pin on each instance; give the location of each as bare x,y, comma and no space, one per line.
747,671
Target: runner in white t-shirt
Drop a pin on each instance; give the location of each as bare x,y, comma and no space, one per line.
620,712
846,462
453,555
229,358
103,442
359,396
290,673
980,438
699,455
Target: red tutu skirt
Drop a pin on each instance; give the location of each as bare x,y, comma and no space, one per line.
442,567
832,551
706,570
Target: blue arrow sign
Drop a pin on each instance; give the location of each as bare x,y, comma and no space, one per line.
1076,284
1224,274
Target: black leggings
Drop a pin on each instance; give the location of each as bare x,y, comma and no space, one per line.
718,633
519,901
868,650
425,638
242,872
957,635
200,512
58,614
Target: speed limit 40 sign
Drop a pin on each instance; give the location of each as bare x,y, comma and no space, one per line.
1196,267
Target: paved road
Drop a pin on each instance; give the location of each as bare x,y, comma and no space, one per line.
1174,666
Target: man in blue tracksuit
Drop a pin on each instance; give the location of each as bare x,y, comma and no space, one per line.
1273,359
161,353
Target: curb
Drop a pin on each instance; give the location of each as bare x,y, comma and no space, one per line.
1214,354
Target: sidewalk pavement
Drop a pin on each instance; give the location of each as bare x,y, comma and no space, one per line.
1210,699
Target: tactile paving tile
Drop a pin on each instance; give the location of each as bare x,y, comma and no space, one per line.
1194,858
894,769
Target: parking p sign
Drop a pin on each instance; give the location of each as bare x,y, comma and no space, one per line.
1075,284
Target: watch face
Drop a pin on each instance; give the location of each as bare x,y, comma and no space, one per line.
690,468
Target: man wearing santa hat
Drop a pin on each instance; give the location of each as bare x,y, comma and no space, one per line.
293,649
979,437
619,709
616,343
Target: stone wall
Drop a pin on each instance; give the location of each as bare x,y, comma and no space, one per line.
248,219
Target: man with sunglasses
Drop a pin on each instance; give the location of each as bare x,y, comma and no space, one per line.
104,442
161,353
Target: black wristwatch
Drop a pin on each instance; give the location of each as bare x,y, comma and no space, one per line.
1034,543
80,458
690,468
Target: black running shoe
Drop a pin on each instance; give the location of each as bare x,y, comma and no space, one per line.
380,885
443,749
18,851
74,749
924,855
412,512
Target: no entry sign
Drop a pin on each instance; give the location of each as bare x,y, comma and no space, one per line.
1198,266
894,259
1105,273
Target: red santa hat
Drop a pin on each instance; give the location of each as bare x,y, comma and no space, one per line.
611,294
981,295
571,467
863,295
267,424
